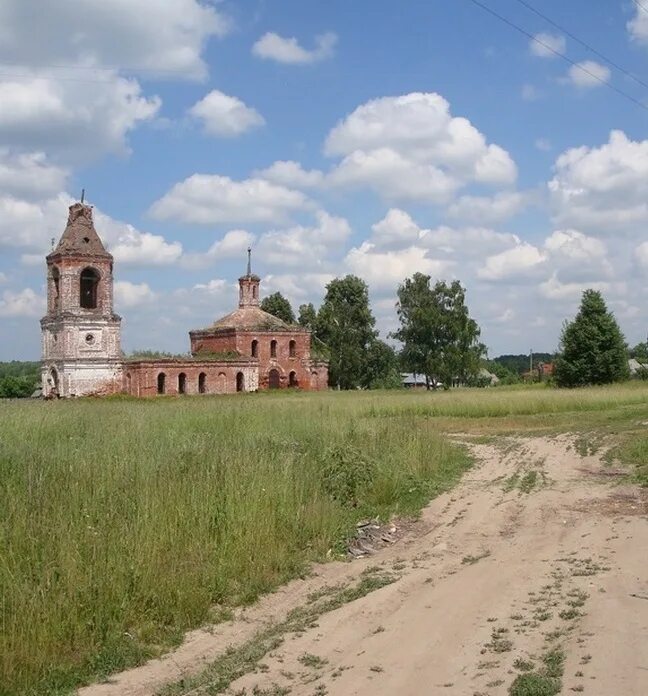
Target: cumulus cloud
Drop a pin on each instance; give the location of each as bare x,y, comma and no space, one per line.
546,45
641,256
272,46
129,294
297,287
43,112
24,303
225,116
207,199
412,147
638,26
602,189
29,175
588,73
233,244
290,173
112,33
304,246
490,209
554,289
384,270
516,262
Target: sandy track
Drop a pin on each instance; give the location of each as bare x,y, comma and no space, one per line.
483,580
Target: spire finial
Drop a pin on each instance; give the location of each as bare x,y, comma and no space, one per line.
82,195
249,266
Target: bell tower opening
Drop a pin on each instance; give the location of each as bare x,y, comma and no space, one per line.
88,284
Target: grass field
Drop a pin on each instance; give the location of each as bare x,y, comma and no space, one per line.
123,523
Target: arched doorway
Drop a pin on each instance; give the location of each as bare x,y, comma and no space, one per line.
240,382
292,380
129,381
202,383
274,379
182,383
54,378
314,380
161,383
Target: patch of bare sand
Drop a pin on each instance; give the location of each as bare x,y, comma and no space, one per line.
490,575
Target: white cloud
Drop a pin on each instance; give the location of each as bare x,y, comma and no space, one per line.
396,228
490,209
148,35
272,46
638,26
233,244
304,246
575,245
410,147
25,303
554,289
547,45
225,116
298,288
43,112
513,263
291,174
384,270
132,294
588,73
144,249
217,286
641,256
602,190
29,175
208,199
543,144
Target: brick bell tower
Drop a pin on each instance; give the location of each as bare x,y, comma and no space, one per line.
249,286
81,335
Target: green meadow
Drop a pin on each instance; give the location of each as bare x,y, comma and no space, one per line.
124,523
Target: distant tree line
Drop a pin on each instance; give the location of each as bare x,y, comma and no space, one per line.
18,379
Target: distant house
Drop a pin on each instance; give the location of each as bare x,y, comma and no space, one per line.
485,376
541,372
411,380
634,366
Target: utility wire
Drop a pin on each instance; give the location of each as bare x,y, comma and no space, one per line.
641,6
573,63
610,62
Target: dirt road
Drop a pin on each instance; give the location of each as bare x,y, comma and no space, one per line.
538,553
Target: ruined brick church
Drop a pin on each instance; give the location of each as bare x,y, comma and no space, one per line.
245,351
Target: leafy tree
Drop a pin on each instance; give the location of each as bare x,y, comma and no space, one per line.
16,387
383,367
593,349
504,375
439,338
277,305
520,363
307,316
346,325
640,352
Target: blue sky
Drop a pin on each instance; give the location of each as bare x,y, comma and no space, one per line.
375,138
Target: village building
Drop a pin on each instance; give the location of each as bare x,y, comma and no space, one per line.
245,351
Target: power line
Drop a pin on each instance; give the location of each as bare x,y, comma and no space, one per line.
641,6
584,44
573,63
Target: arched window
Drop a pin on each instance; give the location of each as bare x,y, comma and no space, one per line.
273,349
274,380
56,289
292,379
254,292
292,349
255,348
128,382
222,383
182,383
88,283
54,391
161,383
202,383
240,382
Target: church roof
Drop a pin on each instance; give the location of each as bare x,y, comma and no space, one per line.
250,318
80,236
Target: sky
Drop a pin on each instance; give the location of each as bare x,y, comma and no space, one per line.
371,137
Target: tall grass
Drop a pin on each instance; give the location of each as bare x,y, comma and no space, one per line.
122,522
